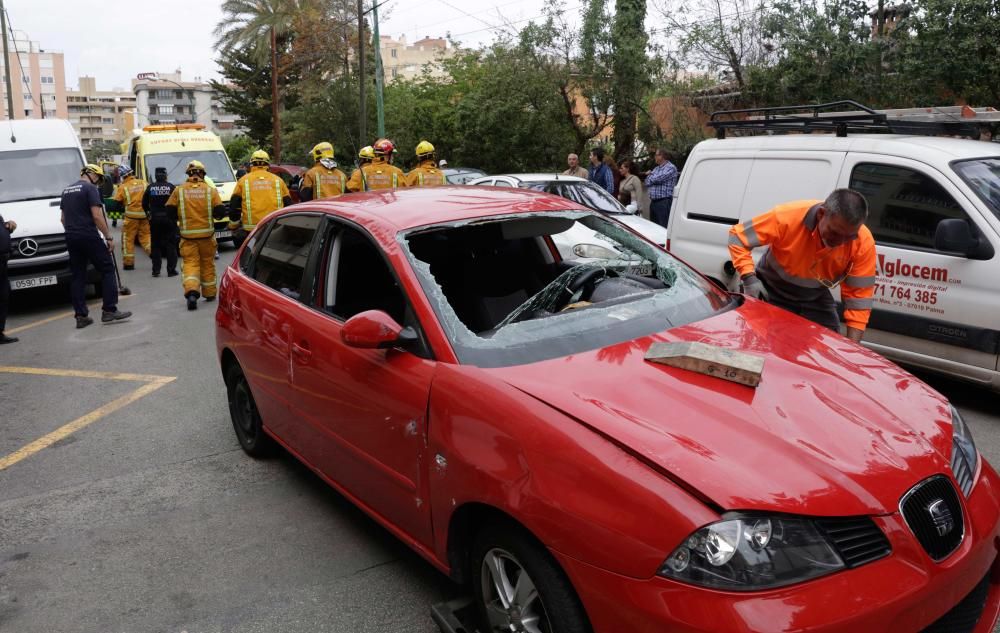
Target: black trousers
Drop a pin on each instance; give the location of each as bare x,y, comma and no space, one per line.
164,243
659,211
821,310
4,292
90,249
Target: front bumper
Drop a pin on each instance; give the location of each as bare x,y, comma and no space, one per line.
906,592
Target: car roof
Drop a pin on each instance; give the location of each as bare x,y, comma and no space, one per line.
539,177
401,209
942,148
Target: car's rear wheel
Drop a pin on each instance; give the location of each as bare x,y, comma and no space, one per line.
518,586
243,412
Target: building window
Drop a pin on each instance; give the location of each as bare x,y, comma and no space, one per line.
44,62
163,94
166,109
392,54
112,120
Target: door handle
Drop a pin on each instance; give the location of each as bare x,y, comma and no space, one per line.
302,351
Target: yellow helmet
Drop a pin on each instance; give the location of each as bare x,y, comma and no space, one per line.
424,148
195,166
322,150
91,168
367,152
260,157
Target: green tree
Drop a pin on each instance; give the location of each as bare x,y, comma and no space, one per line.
102,150
630,70
246,92
239,149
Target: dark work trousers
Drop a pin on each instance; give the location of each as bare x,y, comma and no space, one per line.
659,211
90,249
4,291
164,244
822,310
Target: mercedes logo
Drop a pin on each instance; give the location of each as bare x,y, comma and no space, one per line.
941,517
27,247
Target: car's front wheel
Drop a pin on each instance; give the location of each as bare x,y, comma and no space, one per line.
246,419
519,587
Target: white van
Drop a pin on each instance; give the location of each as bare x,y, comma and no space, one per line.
934,211
37,160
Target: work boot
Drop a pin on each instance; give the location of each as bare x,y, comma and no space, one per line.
192,300
114,317
209,298
83,321
156,273
129,267
4,339
172,273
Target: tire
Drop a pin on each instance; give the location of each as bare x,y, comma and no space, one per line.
244,415
507,551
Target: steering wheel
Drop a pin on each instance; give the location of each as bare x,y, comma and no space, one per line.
584,284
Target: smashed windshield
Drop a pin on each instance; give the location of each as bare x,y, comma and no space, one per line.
983,175
505,297
216,165
584,193
35,174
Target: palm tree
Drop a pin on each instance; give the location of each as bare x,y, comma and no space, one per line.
258,25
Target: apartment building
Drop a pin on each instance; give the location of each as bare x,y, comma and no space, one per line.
169,99
100,115
38,80
406,61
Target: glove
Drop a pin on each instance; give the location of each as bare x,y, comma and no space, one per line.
752,287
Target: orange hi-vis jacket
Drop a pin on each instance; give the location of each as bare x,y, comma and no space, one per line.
376,175
261,193
195,201
797,264
426,174
325,183
129,194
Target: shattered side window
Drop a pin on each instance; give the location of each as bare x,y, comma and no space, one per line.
503,301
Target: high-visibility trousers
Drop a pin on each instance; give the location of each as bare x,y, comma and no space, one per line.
134,226
199,266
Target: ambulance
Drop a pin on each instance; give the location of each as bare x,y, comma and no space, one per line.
173,146
934,210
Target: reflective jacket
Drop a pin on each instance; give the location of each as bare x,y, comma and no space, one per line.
129,194
798,267
323,183
197,203
426,174
376,175
257,195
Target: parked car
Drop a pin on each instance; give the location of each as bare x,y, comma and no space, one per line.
461,175
934,210
431,356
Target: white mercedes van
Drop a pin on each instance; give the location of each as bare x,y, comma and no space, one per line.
38,158
934,212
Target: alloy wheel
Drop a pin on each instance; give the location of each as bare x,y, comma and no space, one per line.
513,604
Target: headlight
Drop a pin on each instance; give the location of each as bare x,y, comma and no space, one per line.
593,251
752,553
964,457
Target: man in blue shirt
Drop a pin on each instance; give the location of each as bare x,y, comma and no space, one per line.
85,224
599,172
660,183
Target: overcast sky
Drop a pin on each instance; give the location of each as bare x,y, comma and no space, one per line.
148,36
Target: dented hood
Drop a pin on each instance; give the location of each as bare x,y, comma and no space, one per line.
833,429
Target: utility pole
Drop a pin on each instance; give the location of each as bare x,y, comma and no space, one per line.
6,63
379,74
363,139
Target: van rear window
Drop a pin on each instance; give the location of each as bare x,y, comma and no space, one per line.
37,174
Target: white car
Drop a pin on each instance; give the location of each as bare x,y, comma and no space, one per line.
579,243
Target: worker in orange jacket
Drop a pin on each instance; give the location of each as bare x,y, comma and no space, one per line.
323,180
426,173
129,195
197,205
257,194
379,173
814,246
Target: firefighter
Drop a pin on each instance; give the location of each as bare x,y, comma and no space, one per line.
196,205
323,180
378,174
815,246
257,194
366,155
129,195
162,224
426,173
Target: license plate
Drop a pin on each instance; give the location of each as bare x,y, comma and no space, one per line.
33,282
643,270
223,234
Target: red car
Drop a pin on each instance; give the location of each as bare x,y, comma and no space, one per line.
428,354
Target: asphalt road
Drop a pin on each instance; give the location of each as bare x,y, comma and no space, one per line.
150,518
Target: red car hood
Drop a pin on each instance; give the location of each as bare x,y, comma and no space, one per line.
832,429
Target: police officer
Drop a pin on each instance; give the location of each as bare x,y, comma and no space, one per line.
257,194
129,195
196,203
162,225
83,219
379,174
6,228
426,173
323,180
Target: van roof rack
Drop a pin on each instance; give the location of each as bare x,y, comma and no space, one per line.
843,117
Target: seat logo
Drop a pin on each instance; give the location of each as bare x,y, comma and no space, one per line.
27,247
941,517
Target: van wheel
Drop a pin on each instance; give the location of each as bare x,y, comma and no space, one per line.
519,587
246,419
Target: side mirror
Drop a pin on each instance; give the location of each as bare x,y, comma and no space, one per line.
374,329
954,235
